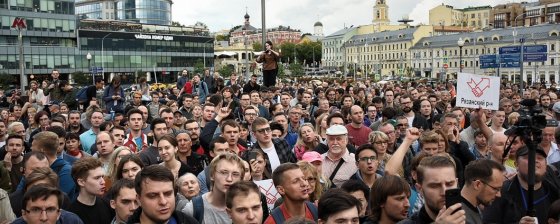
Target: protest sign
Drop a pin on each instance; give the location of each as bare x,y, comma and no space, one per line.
269,190
478,91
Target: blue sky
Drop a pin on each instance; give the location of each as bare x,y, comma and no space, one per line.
302,14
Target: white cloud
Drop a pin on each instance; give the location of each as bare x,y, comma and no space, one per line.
302,14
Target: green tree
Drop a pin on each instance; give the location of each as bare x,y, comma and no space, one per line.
82,79
6,80
287,52
222,38
257,46
309,52
226,70
296,69
199,67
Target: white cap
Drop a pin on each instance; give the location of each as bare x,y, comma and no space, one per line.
337,130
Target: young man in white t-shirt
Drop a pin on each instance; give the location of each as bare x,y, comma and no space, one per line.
276,150
225,170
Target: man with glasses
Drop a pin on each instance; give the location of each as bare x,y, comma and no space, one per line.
366,160
276,150
357,131
294,122
244,102
43,204
371,115
484,179
225,170
338,163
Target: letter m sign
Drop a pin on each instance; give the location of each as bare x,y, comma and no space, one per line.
19,23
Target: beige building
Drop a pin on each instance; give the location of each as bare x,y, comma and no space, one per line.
548,11
445,15
439,56
385,53
473,17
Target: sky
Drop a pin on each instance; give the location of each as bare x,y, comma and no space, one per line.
302,14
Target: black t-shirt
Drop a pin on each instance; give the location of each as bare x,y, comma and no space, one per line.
100,213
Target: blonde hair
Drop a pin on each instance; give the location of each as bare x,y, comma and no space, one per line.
112,164
318,129
230,157
307,167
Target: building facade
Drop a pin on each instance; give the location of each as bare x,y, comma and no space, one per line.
55,40
431,55
544,13
472,17
384,53
140,11
250,35
333,47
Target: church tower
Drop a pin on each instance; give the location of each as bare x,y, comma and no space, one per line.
380,13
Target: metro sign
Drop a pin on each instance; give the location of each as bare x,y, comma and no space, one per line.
19,23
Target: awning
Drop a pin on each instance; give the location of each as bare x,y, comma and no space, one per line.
225,53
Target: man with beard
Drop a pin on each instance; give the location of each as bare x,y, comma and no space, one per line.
435,175
74,125
414,120
294,188
90,205
251,85
181,81
136,140
193,129
357,131
484,179
512,206
544,101
338,163
36,96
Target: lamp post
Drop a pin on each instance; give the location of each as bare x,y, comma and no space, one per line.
355,62
103,55
461,43
88,56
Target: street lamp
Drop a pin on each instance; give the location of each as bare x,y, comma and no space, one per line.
461,43
355,62
103,55
88,56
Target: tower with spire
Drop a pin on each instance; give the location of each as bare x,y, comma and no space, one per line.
318,29
381,13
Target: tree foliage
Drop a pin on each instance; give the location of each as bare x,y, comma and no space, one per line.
257,46
82,79
226,70
6,80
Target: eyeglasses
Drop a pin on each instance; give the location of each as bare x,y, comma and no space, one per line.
367,159
311,179
35,211
250,114
226,174
496,189
264,130
381,143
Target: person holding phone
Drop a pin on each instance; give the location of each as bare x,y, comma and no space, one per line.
269,58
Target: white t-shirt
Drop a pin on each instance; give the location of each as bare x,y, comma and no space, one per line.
272,157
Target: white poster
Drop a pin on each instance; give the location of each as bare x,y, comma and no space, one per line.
269,190
478,91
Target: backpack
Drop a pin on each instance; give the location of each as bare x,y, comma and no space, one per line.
81,96
279,217
198,208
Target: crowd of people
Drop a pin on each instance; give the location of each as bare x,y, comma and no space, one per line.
336,152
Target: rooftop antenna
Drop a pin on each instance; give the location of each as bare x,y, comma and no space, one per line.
405,20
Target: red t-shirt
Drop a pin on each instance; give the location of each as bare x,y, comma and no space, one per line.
270,219
358,136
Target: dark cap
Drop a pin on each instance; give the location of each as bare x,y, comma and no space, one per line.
525,150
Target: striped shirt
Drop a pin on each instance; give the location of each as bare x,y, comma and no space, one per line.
347,169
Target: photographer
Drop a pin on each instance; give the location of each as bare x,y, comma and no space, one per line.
269,58
54,90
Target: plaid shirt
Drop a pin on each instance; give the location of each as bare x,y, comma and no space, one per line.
285,154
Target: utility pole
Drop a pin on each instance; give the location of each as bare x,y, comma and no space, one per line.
20,24
263,14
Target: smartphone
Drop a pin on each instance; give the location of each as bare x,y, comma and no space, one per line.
452,196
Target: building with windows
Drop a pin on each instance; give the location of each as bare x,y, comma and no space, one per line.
548,11
384,53
431,55
472,17
333,47
55,39
140,11
277,35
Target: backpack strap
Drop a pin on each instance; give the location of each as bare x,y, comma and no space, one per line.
313,209
198,208
277,215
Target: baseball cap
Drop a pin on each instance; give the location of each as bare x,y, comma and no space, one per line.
312,157
525,150
337,130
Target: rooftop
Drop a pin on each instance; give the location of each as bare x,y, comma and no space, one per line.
383,37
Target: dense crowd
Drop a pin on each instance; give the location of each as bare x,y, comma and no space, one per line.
335,151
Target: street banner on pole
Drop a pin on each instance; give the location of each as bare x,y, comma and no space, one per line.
474,91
